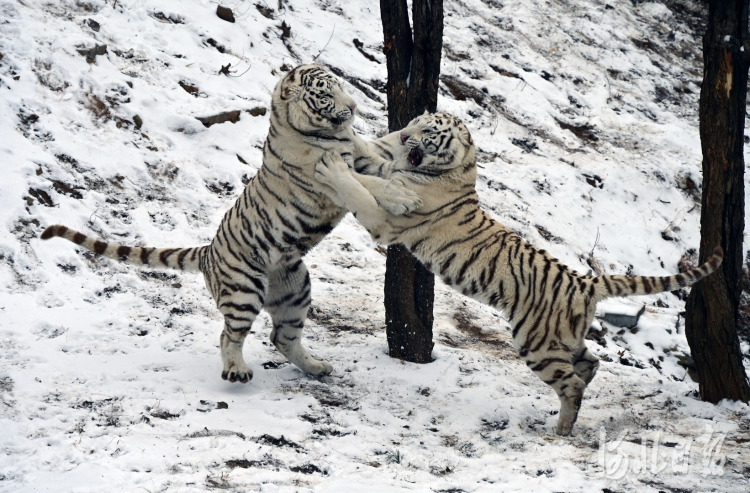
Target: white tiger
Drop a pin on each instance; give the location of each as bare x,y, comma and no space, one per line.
255,259
550,307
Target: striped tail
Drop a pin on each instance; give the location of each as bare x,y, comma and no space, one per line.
172,258
608,286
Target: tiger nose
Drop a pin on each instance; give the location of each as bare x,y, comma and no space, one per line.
352,107
404,138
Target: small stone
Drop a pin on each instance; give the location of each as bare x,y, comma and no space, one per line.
138,121
626,320
189,88
95,26
259,111
225,13
92,53
228,116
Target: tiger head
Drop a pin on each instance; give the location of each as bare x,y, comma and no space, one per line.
310,98
437,143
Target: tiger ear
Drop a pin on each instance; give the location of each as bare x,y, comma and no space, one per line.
464,136
290,92
425,113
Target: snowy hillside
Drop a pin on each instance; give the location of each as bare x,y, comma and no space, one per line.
585,118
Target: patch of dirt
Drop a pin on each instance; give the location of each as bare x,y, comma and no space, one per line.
527,145
108,410
29,127
277,442
330,432
48,77
205,432
272,365
167,18
548,236
163,171
595,181
462,91
326,395
584,132
165,415
221,188
265,11
307,469
266,462
504,72
335,323
42,196
6,384
689,187
496,344
219,47
64,189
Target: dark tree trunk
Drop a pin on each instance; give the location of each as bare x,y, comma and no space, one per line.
413,69
712,307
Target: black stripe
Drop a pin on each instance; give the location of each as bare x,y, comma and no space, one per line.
123,252
244,307
546,362
165,254
145,252
100,247
181,258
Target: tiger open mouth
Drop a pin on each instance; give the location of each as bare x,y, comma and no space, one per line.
415,156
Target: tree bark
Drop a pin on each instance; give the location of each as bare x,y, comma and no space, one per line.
712,307
413,69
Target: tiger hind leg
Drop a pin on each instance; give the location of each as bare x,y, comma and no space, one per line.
231,343
586,365
287,303
240,306
564,380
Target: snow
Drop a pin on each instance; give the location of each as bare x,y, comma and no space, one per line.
587,132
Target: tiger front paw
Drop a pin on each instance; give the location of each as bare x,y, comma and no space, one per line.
319,368
331,168
237,373
399,200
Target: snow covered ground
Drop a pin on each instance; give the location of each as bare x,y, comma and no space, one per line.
585,116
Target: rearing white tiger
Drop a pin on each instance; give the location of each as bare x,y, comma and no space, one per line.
255,260
550,307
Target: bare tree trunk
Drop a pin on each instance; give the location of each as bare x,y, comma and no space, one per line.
413,70
712,307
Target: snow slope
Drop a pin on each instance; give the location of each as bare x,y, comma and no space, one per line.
585,116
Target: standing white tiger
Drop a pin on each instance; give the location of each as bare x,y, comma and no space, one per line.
255,259
550,307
